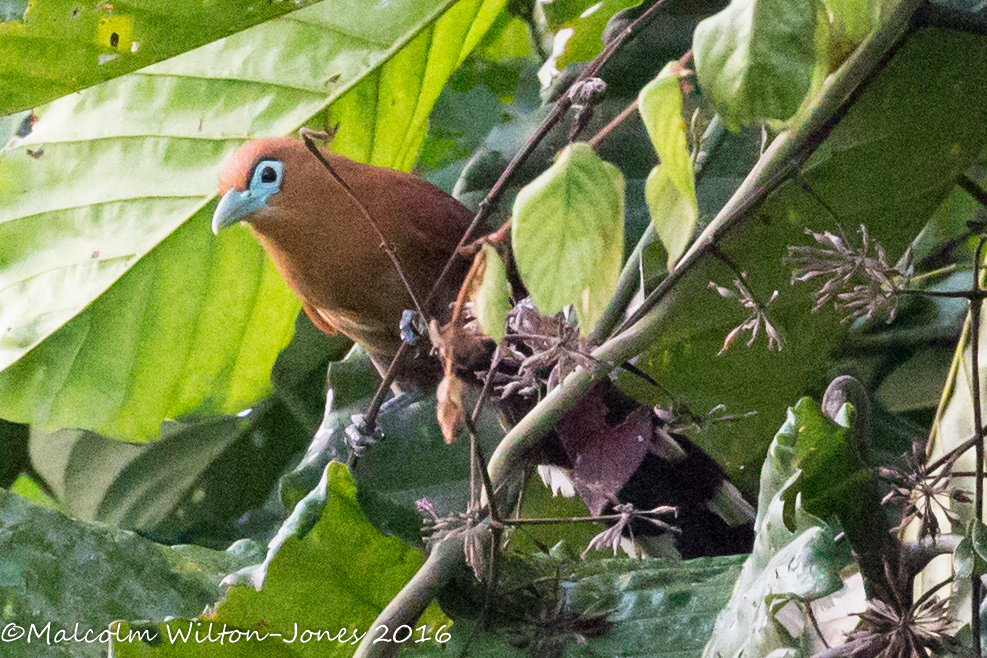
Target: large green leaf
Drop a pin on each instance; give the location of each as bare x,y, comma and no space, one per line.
568,234
646,608
327,569
793,560
866,171
50,48
755,59
108,226
107,574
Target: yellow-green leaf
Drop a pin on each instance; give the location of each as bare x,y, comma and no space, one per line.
118,307
670,189
493,299
568,234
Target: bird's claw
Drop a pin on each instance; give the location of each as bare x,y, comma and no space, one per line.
412,326
358,435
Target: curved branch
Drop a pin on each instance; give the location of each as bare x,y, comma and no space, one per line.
786,154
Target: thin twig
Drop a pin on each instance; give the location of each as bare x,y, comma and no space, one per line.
628,111
617,120
971,187
310,143
489,203
373,409
976,306
969,295
583,519
815,624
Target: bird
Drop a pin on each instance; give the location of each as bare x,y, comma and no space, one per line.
327,249
317,222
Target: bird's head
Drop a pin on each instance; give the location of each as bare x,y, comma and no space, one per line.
252,178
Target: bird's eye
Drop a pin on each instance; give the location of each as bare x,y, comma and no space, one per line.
268,175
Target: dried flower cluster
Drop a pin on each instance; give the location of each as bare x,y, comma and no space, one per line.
922,493
921,631
538,352
758,316
439,528
861,284
610,538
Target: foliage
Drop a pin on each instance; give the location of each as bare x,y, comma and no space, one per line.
568,234
794,560
156,378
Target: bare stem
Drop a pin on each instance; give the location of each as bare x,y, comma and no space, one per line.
489,203
970,186
584,519
617,120
387,249
976,305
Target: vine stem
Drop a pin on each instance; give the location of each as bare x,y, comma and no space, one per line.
490,202
976,305
786,154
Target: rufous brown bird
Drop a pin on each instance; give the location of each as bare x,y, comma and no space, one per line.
329,252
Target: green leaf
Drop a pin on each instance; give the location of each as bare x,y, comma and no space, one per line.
60,46
671,186
582,36
917,383
825,455
755,59
412,461
107,574
194,484
550,605
327,569
791,562
977,533
493,299
856,171
968,557
559,12
568,234
850,22
659,608
167,318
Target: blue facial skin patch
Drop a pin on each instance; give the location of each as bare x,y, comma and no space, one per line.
237,204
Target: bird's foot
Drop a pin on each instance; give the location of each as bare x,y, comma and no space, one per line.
359,436
413,326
